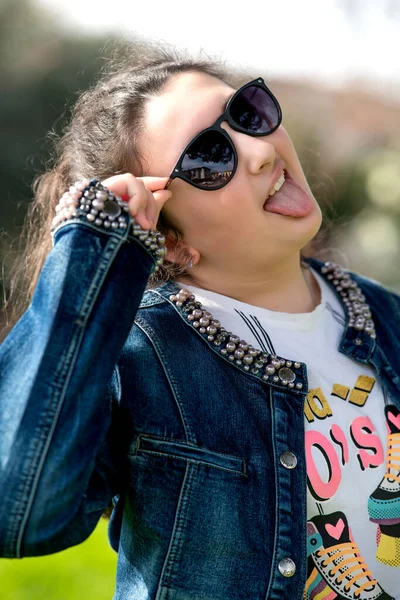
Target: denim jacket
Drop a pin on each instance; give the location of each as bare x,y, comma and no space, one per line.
108,391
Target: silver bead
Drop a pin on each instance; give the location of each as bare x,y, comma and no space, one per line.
98,204
247,359
100,195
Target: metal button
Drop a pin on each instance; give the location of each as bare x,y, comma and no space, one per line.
287,567
286,375
288,460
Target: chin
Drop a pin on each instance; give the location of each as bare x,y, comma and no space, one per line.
300,231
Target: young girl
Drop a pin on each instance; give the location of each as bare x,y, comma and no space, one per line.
237,401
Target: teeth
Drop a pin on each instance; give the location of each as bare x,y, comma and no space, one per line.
278,185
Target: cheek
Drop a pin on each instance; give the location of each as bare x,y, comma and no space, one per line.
194,211
283,142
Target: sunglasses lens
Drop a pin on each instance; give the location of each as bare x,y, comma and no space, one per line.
255,110
209,161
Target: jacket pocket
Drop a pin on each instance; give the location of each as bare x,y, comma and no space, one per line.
167,447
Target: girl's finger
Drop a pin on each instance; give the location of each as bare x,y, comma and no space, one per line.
154,205
121,185
155,183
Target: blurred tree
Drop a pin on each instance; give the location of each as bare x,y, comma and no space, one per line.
42,69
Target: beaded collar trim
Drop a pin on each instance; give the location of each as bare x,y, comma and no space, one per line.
359,312
280,372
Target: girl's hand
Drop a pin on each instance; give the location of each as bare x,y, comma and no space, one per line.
145,196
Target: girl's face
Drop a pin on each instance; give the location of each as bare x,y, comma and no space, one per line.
227,229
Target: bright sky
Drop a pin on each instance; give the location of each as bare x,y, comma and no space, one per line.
328,40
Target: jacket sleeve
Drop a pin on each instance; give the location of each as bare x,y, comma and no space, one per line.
58,383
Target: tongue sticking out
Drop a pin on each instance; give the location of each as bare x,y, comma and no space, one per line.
291,200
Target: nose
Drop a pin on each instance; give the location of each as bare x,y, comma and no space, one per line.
255,154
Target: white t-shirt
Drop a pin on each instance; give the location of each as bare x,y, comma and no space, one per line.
348,418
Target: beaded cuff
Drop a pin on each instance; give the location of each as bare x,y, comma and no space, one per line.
90,199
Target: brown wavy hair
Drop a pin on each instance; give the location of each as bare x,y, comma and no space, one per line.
99,141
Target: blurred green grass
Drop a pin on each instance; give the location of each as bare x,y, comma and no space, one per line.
84,571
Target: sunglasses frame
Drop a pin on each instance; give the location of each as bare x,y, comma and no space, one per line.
177,172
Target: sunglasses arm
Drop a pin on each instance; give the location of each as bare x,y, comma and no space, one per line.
168,183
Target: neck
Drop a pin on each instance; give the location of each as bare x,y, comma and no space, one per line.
286,287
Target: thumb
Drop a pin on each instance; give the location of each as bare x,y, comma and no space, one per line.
161,196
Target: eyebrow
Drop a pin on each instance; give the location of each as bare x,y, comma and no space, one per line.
223,107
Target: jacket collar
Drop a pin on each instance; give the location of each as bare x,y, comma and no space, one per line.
358,340
355,342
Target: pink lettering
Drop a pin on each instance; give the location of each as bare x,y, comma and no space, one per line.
320,489
361,431
338,436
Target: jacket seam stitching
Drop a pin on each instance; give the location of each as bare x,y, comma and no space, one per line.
190,460
274,552
174,542
56,400
185,444
147,330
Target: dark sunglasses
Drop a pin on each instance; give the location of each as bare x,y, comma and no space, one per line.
210,159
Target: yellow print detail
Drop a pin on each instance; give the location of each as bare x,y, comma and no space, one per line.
316,404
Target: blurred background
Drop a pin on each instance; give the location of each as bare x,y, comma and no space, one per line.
333,65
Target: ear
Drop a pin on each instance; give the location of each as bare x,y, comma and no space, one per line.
179,252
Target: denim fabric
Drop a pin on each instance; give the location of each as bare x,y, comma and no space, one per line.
108,392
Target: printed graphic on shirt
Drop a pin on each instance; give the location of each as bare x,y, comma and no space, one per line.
384,502
353,527
336,567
